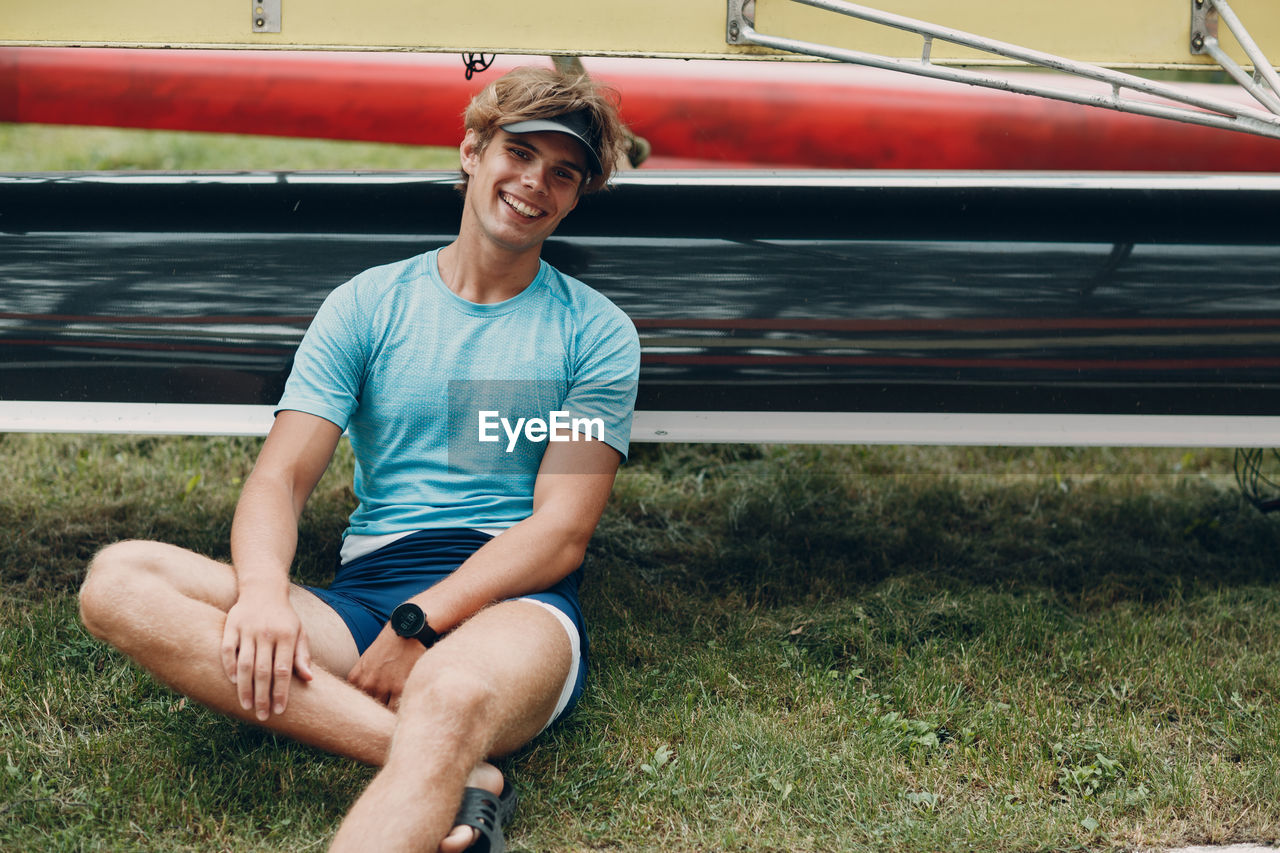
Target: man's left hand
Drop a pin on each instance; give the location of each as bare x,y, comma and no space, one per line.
385,666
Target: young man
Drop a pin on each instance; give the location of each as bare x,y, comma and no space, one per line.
451,632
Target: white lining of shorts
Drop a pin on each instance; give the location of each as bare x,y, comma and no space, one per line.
356,546
575,645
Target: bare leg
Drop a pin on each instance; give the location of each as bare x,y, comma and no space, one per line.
485,690
165,607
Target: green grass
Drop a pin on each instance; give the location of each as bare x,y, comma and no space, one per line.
36,148
794,648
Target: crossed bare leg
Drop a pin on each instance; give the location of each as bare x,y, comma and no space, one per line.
490,687
165,607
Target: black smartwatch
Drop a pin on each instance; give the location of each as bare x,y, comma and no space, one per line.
410,622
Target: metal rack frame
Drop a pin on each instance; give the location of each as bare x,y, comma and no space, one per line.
1207,15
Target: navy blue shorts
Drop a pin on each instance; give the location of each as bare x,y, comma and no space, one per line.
365,591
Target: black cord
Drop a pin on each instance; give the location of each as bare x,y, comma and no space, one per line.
1259,488
476,62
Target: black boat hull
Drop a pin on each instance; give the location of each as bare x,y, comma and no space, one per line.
982,308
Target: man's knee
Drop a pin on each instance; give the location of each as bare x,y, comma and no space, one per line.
113,586
445,688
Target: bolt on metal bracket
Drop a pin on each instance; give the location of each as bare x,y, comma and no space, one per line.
1191,108
1204,25
265,15
740,12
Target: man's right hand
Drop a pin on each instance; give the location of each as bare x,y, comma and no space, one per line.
263,644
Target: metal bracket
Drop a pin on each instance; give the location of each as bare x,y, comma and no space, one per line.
1204,24
740,12
1186,107
1205,16
265,15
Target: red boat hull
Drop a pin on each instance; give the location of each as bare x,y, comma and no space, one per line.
768,114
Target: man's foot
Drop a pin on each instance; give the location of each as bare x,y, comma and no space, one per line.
486,777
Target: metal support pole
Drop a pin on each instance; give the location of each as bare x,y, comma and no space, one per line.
1185,107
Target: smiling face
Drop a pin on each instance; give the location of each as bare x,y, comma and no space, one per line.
521,185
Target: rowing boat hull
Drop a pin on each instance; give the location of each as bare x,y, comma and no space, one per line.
796,306
694,113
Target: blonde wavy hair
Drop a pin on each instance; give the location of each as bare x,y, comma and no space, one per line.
540,93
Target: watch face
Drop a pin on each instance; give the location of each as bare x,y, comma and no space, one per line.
407,620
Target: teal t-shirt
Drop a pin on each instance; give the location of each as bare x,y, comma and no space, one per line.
449,404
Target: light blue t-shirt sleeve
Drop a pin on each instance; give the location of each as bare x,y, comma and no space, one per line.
329,366
606,372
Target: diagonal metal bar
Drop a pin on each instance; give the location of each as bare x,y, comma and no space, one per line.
1250,46
1185,106
1247,81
